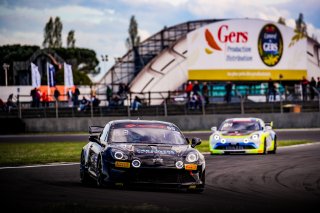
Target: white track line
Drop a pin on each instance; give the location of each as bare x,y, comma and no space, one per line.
35,166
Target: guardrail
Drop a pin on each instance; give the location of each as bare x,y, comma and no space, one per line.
173,103
163,110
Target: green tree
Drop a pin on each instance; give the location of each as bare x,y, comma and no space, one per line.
134,39
71,40
48,34
133,43
57,33
300,31
52,33
301,26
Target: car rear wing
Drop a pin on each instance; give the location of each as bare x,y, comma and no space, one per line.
269,124
95,129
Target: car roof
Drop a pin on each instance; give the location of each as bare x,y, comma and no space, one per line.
142,121
243,119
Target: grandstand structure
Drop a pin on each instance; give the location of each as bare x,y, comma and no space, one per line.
159,64
160,58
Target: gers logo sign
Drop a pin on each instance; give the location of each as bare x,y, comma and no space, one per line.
270,45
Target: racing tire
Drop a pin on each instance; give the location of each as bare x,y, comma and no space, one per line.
100,175
275,147
84,176
265,148
199,188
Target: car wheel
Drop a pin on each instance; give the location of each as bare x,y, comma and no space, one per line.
100,176
275,147
84,176
200,188
265,148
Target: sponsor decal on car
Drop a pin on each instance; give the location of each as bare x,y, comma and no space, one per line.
122,164
190,166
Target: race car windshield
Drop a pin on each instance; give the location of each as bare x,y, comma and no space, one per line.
147,135
240,126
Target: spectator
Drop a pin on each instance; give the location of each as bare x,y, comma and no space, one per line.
95,101
194,102
56,94
312,87
189,89
2,106
76,96
109,94
205,93
196,88
115,101
45,99
10,104
123,90
84,103
272,92
304,85
136,103
33,95
228,88
70,97
318,84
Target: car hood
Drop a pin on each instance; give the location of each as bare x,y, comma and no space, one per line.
152,149
237,133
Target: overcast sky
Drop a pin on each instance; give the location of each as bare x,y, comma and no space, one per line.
102,25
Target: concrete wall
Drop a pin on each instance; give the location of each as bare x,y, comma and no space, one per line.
191,122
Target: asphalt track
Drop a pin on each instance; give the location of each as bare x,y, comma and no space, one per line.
288,181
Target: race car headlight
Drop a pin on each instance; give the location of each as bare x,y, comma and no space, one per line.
192,157
216,137
179,164
255,137
223,140
119,155
246,140
136,163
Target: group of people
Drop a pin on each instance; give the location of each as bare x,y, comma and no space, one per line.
309,87
9,105
72,97
117,98
198,95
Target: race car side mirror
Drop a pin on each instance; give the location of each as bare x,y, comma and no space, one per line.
268,127
195,142
214,128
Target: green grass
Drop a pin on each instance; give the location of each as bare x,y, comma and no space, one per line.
23,153
13,154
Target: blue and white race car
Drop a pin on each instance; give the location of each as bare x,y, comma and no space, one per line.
243,135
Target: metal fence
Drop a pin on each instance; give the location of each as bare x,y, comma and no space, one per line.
175,103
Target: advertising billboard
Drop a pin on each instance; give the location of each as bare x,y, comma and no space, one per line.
248,50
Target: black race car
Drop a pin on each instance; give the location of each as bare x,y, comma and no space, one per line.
127,152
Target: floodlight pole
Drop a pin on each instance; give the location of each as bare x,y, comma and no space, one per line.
6,67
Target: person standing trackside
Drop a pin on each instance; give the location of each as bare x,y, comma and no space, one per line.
70,97
205,93
76,96
56,95
271,90
304,85
33,94
228,89
312,87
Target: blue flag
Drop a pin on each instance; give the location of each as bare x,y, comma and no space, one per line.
51,75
